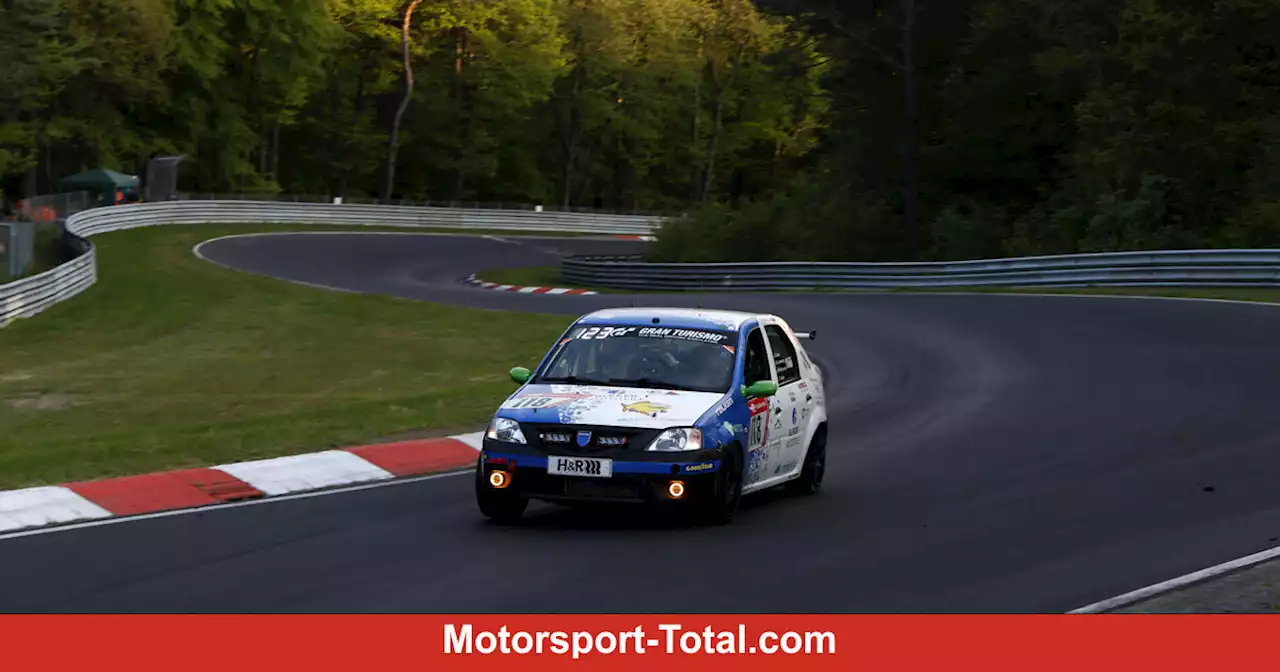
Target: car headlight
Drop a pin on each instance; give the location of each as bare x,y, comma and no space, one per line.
505,430
677,440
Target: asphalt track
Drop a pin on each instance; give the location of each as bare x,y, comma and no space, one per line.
988,454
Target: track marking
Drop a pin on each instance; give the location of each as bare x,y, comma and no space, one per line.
1097,607
1179,582
234,505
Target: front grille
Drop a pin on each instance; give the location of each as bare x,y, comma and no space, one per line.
565,438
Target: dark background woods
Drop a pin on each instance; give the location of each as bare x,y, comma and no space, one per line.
789,129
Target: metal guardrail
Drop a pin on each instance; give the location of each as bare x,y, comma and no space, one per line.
30,296
1187,268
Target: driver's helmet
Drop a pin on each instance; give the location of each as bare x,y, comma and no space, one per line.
646,357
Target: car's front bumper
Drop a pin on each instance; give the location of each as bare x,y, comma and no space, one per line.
637,477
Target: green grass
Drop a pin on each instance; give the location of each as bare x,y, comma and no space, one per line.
543,276
171,362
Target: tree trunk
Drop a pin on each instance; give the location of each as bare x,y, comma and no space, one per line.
394,145
697,128
275,153
717,128
910,133
571,138
464,117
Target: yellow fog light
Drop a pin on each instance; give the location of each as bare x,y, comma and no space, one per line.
675,489
499,479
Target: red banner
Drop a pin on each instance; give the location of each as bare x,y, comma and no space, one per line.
650,643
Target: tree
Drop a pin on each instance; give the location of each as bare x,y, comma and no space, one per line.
394,146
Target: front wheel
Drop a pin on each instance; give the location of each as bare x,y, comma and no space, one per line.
498,505
815,465
722,505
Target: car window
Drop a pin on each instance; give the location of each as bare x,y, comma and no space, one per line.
784,355
757,360
643,356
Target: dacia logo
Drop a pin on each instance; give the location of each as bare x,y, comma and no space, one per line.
700,467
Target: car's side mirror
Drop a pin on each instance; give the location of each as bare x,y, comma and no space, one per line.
760,388
521,375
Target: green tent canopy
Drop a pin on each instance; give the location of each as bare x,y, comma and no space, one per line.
101,180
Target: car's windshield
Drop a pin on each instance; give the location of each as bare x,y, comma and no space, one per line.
638,356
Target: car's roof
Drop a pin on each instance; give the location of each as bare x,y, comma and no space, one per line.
683,318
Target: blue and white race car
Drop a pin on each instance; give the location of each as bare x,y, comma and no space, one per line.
679,407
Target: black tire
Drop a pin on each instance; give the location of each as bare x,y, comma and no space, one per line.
815,466
721,506
498,505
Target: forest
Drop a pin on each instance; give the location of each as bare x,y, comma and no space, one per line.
780,129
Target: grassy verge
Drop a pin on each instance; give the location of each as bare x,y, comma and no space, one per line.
171,362
539,276
543,276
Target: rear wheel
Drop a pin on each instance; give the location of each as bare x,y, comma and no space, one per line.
815,466
722,505
501,506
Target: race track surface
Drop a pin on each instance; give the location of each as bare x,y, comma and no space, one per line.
988,454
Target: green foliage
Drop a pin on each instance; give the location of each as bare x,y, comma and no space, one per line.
788,129
1046,126
620,103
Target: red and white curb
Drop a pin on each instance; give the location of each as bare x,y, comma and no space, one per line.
190,488
473,280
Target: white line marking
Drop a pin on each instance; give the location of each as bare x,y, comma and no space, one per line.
1075,296
234,505
1180,582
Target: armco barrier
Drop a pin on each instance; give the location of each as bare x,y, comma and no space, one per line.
30,296
1188,268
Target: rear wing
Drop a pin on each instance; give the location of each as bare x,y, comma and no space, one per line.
807,335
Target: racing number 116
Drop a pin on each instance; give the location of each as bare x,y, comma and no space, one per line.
756,437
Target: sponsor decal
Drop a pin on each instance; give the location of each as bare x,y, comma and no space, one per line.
792,443
682,334
788,467
777,424
544,400
795,415
724,406
645,408
694,468
758,405
600,333
757,464
729,348
793,431
584,438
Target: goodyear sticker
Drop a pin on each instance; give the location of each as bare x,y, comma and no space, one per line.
700,467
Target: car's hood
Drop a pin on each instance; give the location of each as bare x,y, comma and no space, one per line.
608,406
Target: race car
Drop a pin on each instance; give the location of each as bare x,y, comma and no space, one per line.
661,406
